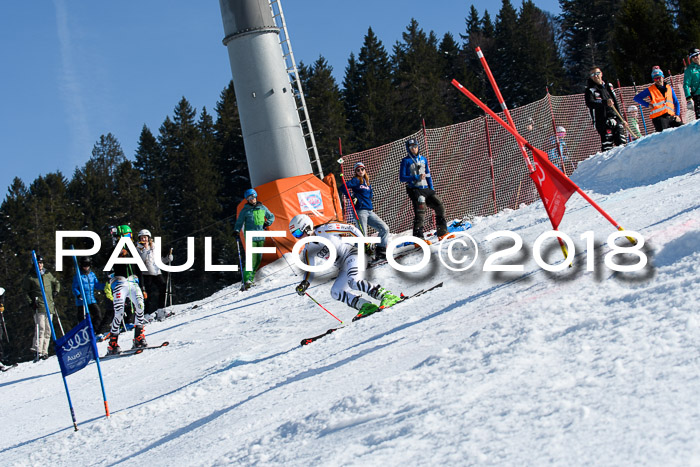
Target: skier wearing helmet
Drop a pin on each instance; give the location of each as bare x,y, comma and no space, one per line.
558,151
691,82
125,283
254,216
349,275
415,173
153,279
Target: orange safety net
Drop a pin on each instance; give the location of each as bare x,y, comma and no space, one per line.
477,166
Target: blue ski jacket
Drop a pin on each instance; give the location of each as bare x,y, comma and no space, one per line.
90,284
362,191
411,170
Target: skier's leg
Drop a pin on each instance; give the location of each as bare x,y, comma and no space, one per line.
136,297
435,203
119,293
363,215
418,211
348,279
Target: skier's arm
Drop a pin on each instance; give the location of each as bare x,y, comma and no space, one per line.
428,177
241,219
676,104
76,286
405,175
269,218
686,83
639,98
591,101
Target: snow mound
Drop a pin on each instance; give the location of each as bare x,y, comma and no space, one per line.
646,161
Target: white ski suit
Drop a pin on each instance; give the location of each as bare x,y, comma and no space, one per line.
349,276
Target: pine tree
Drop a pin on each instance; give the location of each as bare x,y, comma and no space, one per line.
539,66
643,37
688,20
373,122
326,111
587,27
230,161
505,60
417,77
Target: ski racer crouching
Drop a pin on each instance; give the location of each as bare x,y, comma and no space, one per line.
125,284
349,276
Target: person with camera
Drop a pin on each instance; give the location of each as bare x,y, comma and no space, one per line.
601,100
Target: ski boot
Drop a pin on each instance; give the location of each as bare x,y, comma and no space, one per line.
246,286
387,298
379,253
366,310
113,346
139,338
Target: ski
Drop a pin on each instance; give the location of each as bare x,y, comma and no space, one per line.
309,340
4,368
126,353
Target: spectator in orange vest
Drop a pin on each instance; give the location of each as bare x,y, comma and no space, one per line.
663,104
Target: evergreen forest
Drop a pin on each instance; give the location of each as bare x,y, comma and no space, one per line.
187,177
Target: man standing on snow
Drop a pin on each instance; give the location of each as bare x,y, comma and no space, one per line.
349,275
691,82
601,100
32,291
415,173
254,216
663,103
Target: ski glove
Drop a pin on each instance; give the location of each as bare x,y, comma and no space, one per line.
301,288
2,308
236,233
690,104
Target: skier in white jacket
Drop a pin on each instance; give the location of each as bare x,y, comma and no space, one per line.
349,275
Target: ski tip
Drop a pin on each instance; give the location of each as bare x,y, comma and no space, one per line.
165,344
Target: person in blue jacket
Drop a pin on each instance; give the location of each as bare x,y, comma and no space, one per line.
663,105
362,196
254,216
90,284
415,173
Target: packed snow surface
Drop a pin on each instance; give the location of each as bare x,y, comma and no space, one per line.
587,366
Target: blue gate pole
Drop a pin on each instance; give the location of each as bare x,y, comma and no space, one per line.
92,332
53,334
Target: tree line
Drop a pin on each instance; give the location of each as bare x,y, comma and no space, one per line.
187,179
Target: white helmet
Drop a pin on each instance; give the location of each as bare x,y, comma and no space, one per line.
145,232
301,222
561,129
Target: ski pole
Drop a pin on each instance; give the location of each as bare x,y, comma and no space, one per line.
641,110
324,308
2,315
285,258
168,285
240,261
60,326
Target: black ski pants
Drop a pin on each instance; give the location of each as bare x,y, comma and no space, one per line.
610,137
155,289
99,320
665,121
433,202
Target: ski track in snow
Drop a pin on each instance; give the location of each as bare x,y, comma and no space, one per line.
572,368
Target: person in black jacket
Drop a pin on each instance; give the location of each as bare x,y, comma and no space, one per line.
601,100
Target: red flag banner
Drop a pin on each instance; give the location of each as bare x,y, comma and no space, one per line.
554,187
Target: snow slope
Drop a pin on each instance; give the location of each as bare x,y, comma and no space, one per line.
516,368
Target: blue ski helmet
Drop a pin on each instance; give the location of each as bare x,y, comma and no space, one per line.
250,192
412,142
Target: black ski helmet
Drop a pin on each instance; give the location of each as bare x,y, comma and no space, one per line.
411,142
85,261
693,52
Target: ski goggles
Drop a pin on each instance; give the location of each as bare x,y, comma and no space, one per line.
298,233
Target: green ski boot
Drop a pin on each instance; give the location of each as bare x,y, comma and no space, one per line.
389,300
366,310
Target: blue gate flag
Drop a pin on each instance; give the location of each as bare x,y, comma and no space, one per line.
75,349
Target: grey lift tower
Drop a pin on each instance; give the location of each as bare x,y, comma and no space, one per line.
265,79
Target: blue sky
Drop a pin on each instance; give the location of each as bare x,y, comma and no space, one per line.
73,70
